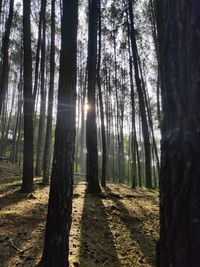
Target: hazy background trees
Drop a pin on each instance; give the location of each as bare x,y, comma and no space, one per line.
128,113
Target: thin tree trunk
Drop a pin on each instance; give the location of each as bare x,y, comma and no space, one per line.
37,60
134,137
48,142
103,131
149,113
41,130
19,139
91,127
4,69
27,180
145,130
83,132
155,39
13,154
9,119
0,10
4,118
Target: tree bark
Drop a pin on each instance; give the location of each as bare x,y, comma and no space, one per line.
133,132
48,141
103,130
145,130
4,69
27,180
56,244
91,127
179,47
37,59
42,119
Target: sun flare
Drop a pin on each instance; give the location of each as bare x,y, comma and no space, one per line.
86,107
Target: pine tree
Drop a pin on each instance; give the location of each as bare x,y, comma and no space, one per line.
91,127
56,244
27,181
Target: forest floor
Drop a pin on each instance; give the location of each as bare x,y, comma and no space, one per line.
118,228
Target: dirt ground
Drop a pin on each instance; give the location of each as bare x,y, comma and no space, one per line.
118,228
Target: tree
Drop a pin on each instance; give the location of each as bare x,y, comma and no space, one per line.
145,130
179,39
37,57
4,68
56,244
91,127
27,180
41,130
134,145
103,130
0,9
48,141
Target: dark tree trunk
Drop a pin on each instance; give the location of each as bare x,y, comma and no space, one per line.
82,139
103,130
41,130
133,132
82,85
145,130
155,39
4,69
19,137
37,60
0,9
118,165
56,244
149,113
179,45
91,127
27,180
134,137
48,141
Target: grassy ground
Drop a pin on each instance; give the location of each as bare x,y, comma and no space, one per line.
118,228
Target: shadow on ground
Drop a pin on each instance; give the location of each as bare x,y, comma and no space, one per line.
97,246
135,224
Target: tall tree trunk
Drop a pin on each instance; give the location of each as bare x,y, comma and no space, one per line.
27,180
48,141
155,39
14,139
103,131
108,122
91,127
56,244
82,138
4,68
41,130
133,132
37,59
19,137
149,113
179,45
145,130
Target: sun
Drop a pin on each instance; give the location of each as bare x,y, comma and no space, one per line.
86,107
